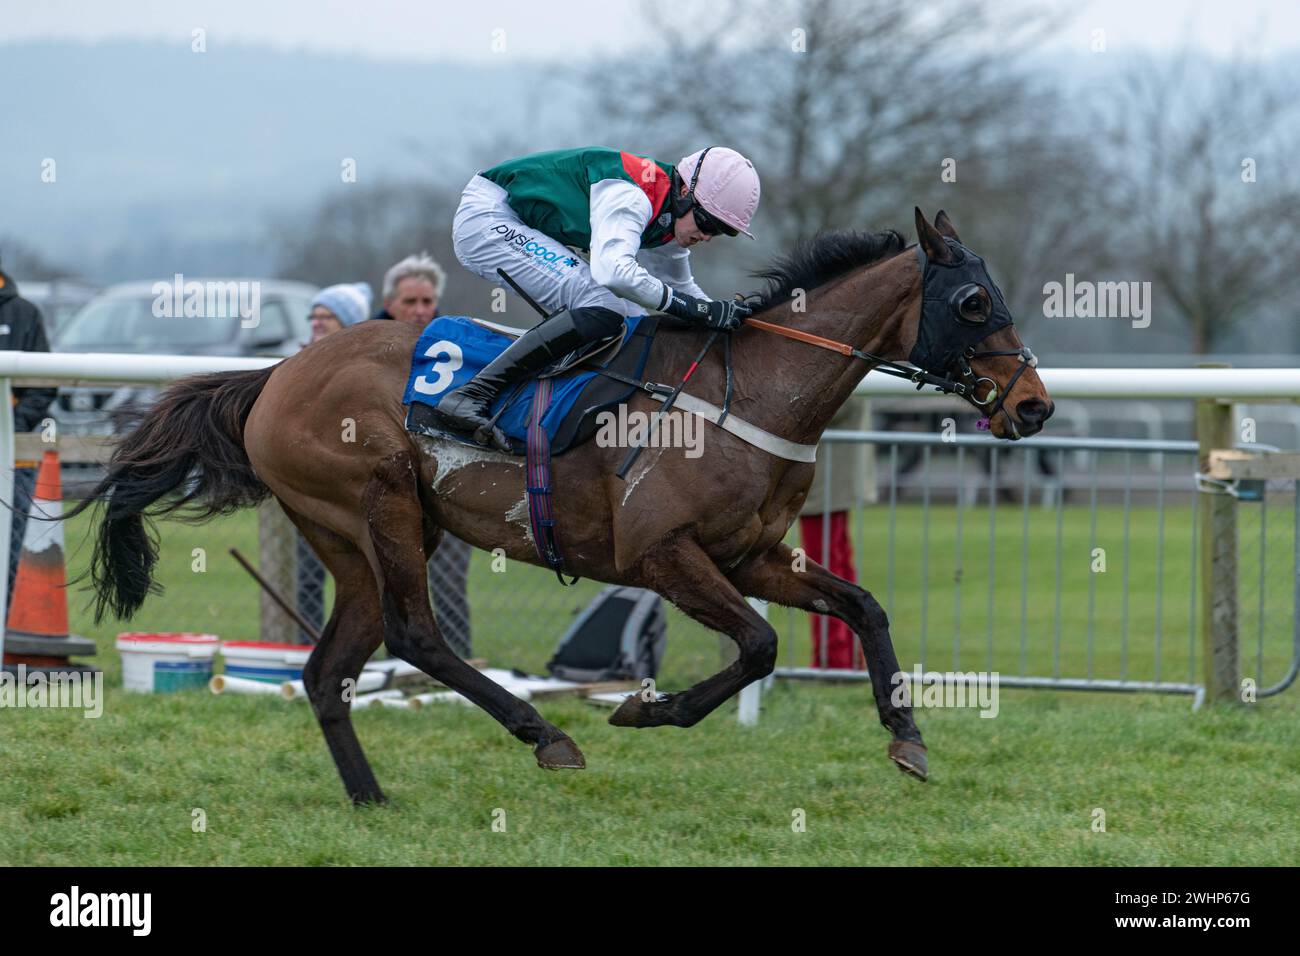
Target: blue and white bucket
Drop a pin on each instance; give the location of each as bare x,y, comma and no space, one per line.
264,661
163,663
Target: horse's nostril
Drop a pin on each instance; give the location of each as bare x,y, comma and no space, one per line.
1034,411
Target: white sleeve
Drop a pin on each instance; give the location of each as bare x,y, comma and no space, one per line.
672,264
620,212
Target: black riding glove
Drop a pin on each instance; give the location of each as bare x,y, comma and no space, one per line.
724,314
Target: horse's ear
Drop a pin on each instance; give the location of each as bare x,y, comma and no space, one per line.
945,226
936,250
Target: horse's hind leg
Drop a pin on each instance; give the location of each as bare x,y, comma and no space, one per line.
349,638
684,574
395,521
772,577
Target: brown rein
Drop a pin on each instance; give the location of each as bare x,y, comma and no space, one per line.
843,348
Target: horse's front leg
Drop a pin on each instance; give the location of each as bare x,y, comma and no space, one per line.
685,575
772,577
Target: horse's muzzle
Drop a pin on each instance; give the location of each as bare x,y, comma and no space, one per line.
1033,412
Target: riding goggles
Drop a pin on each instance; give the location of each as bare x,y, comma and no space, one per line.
711,225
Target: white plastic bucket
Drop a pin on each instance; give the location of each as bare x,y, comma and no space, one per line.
163,663
262,661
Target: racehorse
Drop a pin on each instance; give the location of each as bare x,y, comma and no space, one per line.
323,431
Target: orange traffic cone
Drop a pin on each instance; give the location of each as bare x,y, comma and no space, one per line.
36,633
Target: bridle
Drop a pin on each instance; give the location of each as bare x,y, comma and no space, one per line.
941,359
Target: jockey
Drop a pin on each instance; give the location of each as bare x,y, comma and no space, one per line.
637,217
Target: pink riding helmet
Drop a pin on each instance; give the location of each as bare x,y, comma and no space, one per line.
727,185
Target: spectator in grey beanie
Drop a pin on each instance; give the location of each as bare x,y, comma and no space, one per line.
338,306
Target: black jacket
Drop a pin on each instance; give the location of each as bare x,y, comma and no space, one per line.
22,330
384,314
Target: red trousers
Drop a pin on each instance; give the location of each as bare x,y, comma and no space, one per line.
840,648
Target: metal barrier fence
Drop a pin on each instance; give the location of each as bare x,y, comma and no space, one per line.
979,550
290,565
1011,558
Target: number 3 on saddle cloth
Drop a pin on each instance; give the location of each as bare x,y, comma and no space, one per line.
546,416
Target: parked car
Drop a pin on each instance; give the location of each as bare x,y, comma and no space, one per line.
123,318
59,300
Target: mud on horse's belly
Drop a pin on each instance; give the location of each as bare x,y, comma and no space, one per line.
456,465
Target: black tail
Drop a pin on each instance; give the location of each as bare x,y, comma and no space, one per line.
192,439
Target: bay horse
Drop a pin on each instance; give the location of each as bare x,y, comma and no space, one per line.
323,431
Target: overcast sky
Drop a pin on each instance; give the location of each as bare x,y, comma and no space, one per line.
570,30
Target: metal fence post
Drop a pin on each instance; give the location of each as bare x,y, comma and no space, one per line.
279,565
1218,514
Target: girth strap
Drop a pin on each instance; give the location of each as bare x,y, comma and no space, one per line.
541,513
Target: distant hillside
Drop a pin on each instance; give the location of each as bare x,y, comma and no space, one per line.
171,160
158,148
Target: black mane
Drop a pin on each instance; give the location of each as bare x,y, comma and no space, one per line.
818,260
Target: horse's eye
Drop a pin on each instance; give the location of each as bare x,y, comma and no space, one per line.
972,305
969,304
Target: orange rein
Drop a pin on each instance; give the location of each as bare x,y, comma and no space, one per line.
840,347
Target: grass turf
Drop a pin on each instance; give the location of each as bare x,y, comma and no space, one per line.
1212,788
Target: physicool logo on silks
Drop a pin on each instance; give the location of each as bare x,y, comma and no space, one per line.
528,247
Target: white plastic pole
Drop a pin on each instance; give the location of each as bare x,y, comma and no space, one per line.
119,367
1237,384
367,681
380,697
221,684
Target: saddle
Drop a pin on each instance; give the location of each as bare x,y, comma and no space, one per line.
596,378
543,416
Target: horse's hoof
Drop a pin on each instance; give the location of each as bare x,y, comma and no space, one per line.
910,757
636,711
562,754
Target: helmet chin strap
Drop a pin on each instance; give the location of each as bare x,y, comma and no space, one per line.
682,204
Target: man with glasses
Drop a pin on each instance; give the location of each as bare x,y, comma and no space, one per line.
636,217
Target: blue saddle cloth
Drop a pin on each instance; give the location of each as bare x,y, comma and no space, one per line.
452,349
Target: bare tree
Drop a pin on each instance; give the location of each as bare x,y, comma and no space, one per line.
358,233
855,112
1203,178
23,262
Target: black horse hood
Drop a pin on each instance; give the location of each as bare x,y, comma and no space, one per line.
943,336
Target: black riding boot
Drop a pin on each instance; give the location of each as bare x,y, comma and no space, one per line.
469,408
